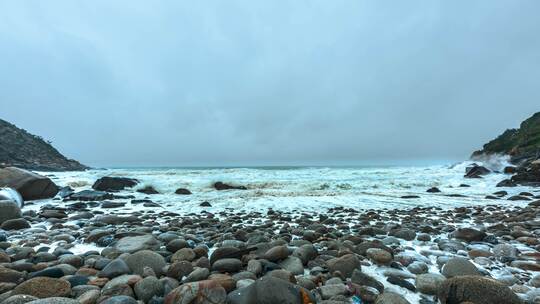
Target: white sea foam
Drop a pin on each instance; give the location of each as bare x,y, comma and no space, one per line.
308,188
12,195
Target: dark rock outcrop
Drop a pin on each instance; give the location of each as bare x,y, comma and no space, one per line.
109,183
89,195
18,148
520,144
148,190
223,186
528,174
523,147
30,185
182,191
476,171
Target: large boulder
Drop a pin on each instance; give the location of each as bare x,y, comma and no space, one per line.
30,185
109,183
270,290
477,290
9,210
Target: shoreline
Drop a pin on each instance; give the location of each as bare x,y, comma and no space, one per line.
418,236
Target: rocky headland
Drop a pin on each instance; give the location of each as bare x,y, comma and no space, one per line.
522,145
18,148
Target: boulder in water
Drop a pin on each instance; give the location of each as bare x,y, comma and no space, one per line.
223,186
89,195
148,190
30,185
182,191
476,171
109,183
433,190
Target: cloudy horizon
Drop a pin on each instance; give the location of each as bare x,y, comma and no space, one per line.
128,83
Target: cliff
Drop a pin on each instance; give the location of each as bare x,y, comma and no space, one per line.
18,148
522,144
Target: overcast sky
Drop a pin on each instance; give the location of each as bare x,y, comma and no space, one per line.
124,83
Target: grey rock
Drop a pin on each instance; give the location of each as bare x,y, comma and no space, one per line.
391,298
458,266
19,299
476,289
429,283
147,288
306,253
345,264
55,300
116,267
332,290
505,250
293,264
363,279
131,244
9,210
146,258
227,265
269,290
120,300
198,274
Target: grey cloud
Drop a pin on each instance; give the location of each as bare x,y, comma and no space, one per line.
118,83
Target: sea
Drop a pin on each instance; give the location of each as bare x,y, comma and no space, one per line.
305,188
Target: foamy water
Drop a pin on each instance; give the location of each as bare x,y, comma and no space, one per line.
303,188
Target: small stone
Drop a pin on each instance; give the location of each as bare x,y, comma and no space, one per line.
146,258
116,267
379,256
19,299
202,292
459,267
120,300
15,224
198,274
429,283
147,288
44,287
344,265
277,253
184,254
292,264
332,290
363,279
418,267
469,234
131,244
391,298
227,265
